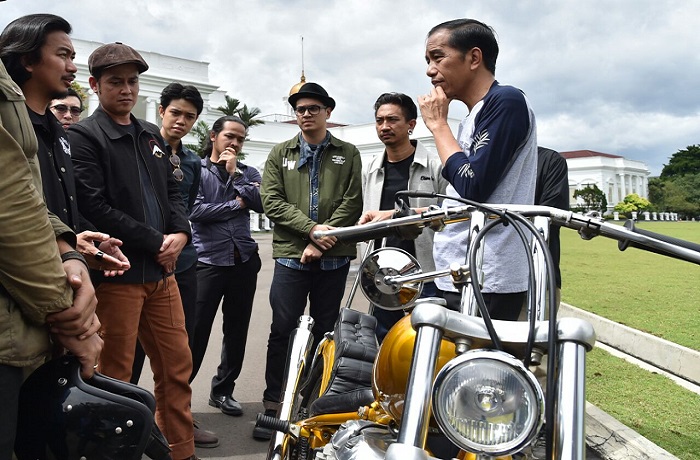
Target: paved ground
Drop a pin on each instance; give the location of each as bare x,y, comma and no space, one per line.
235,432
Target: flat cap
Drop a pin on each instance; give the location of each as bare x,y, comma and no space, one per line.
114,54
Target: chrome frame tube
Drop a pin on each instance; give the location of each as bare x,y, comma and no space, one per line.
416,411
542,225
468,304
569,441
356,283
423,276
300,340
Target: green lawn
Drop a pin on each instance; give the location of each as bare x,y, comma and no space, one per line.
658,409
649,292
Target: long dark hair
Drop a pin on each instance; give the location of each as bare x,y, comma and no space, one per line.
217,127
24,37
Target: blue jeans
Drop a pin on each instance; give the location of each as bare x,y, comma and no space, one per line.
289,292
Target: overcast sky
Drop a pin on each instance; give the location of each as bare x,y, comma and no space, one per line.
618,77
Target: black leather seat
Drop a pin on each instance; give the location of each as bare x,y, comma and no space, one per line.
356,347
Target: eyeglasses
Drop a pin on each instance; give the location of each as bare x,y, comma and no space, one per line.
177,172
313,109
63,108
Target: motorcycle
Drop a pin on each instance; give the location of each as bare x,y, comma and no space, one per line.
447,384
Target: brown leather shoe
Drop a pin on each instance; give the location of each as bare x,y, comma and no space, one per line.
203,438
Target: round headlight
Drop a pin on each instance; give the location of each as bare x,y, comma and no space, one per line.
487,402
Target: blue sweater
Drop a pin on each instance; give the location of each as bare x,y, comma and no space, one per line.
499,165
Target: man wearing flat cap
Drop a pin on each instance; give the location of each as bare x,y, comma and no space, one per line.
311,182
126,187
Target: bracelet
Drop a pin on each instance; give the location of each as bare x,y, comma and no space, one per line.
74,255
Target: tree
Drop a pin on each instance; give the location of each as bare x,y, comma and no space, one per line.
657,198
201,131
632,203
231,107
248,115
682,163
81,92
678,200
679,194
593,198
245,113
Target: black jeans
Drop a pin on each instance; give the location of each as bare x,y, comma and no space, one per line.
289,292
11,378
236,284
187,283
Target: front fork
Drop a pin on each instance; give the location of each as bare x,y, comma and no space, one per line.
574,337
300,343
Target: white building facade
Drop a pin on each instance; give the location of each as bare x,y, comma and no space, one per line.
616,176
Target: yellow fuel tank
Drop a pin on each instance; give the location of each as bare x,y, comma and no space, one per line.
393,363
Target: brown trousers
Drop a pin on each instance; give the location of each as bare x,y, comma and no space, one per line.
153,313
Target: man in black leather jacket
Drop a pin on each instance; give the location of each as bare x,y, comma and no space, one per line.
126,187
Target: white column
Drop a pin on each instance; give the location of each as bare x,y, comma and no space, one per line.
623,187
93,101
266,223
645,187
254,221
151,109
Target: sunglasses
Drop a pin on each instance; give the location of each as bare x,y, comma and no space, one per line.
177,172
313,109
63,108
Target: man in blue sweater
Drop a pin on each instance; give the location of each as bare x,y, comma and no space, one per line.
493,159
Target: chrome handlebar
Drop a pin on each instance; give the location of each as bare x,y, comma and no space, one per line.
588,227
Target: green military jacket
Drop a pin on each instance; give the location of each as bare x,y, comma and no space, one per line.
285,196
32,280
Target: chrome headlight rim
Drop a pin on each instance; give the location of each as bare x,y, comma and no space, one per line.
519,369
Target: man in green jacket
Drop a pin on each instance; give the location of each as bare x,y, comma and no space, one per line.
40,298
311,182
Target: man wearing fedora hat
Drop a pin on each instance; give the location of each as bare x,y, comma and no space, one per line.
127,187
311,182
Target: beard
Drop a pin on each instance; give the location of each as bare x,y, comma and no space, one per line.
59,94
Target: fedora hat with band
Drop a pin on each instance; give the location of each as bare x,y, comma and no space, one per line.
313,91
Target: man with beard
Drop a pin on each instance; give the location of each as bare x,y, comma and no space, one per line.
45,72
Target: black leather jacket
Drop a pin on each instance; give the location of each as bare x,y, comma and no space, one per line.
109,188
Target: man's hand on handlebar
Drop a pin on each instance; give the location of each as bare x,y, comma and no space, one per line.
375,216
325,242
